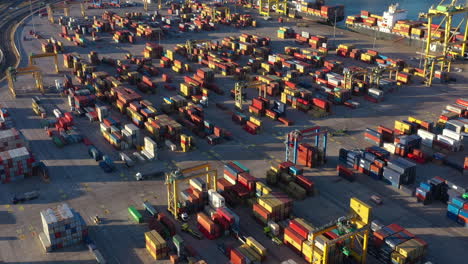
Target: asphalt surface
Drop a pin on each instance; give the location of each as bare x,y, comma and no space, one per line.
77,180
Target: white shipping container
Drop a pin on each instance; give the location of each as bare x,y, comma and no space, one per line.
170,145
209,211
455,125
274,227
57,113
376,92
197,184
390,147
424,134
231,181
455,108
452,134
215,199
148,155
452,142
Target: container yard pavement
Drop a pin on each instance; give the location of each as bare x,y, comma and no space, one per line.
78,180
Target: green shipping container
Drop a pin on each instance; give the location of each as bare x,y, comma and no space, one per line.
135,214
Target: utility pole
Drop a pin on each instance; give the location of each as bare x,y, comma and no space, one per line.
334,31
32,16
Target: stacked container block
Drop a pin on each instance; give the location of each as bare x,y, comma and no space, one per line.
63,227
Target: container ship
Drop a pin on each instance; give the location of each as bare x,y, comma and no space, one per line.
330,14
394,25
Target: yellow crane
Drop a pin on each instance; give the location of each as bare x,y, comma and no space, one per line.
353,240
280,6
239,89
33,57
66,9
350,76
173,179
443,60
376,74
12,73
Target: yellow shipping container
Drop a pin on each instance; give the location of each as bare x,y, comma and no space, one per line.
253,255
293,243
397,258
256,121
307,252
284,97
254,244
410,249
402,126
170,54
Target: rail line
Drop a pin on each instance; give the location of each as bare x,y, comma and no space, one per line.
14,15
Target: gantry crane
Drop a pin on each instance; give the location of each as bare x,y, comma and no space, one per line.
12,73
376,74
353,230
446,12
239,89
33,56
66,9
173,179
265,6
294,137
146,5
350,76
189,45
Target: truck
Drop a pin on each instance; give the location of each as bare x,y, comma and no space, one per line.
27,196
139,176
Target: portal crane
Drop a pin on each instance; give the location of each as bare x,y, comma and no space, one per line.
294,137
239,90
280,6
173,179
353,230
33,56
350,76
12,73
446,12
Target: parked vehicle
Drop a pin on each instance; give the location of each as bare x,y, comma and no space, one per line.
25,197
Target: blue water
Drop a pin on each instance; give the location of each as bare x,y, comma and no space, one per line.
414,7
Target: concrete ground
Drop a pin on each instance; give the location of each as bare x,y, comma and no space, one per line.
77,180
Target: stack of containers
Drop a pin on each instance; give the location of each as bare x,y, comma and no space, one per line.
63,227
243,188
5,119
156,245
11,139
405,144
273,206
307,155
285,32
435,188
457,210
394,244
209,229
399,171
296,234
15,164
149,149
373,136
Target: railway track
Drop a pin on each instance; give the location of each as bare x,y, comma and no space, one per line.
14,12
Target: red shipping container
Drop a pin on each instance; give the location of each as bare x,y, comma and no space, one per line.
224,184
247,180
293,235
261,211
307,184
226,215
237,257
299,229
204,221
